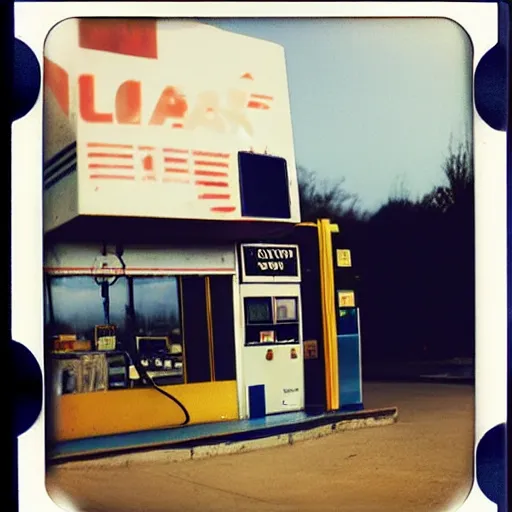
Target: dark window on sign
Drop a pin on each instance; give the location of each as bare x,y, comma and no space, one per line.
264,187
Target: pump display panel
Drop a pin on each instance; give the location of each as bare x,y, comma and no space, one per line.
286,310
271,320
258,311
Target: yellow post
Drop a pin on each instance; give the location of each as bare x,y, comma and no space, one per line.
325,230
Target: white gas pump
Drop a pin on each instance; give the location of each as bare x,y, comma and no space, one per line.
272,352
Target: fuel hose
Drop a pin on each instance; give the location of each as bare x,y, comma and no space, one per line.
142,371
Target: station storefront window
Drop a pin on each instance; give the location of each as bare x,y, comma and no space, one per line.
116,336
139,330
156,305
78,306
158,340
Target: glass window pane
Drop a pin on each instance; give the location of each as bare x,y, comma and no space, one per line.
78,305
258,310
46,304
157,308
118,294
286,309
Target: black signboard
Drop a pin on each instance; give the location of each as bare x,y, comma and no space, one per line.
270,260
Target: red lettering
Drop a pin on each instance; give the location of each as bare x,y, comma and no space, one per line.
170,104
206,113
86,95
147,163
128,102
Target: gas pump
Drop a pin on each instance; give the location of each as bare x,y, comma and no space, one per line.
349,357
348,336
272,352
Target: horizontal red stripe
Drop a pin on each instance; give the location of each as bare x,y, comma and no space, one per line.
88,270
104,145
223,209
262,96
111,177
212,183
175,150
177,125
214,196
109,166
211,164
209,153
147,147
109,155
257,104
176,169
175,180
211,173
175,160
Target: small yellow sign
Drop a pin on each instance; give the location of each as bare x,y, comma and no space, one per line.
346,299
343,258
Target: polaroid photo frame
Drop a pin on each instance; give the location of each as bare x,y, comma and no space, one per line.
486,24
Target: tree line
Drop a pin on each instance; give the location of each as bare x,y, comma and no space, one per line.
413,261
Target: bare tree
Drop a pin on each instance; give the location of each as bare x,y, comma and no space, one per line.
323,198
459,174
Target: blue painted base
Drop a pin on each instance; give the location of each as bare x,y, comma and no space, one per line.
257,406
349,370
201,434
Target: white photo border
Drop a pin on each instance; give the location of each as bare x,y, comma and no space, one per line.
34,20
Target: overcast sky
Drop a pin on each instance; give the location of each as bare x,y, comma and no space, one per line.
375,102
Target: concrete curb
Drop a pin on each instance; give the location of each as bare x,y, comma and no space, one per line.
229,448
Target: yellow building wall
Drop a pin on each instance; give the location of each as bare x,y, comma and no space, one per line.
101,413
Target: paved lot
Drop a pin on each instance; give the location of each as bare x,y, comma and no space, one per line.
422,463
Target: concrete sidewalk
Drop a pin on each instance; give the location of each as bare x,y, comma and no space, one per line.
421,463
202,441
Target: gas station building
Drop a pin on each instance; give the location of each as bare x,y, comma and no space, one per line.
180,285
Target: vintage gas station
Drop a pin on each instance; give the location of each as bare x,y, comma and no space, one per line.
184,298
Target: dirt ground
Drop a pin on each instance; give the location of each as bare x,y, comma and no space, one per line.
422,463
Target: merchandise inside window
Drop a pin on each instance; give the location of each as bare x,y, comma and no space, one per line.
110,333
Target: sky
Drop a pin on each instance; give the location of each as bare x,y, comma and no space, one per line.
375,103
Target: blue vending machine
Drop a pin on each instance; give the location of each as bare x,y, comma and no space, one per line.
349,358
